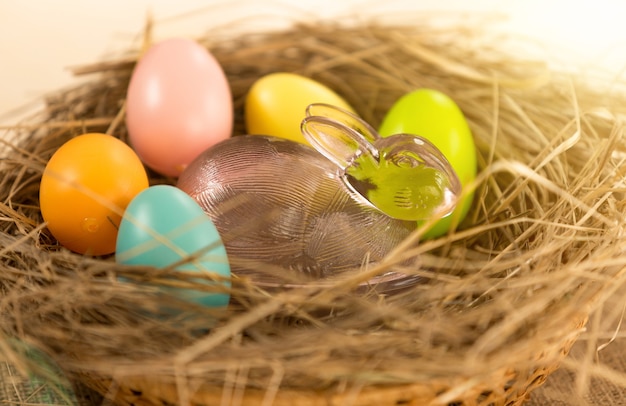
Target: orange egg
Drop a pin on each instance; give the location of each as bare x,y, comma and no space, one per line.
85,188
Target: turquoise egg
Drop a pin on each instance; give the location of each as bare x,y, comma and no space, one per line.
163,226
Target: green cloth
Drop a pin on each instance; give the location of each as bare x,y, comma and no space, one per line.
18,390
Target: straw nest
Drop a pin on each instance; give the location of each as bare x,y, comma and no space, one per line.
503,297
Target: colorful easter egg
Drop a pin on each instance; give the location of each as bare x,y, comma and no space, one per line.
436,117
178,104
275,104
85,187
163,226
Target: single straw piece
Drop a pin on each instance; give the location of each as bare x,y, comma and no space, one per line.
404,175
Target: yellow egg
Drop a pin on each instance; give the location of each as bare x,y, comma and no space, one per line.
276,104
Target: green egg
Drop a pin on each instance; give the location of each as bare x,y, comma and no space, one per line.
435,116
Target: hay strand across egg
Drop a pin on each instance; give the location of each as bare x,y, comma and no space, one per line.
503,297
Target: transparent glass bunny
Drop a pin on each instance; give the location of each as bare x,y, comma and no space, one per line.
290,216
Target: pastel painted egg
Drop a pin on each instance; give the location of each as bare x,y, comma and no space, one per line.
163,226
84,189
178,104
436,117
276,104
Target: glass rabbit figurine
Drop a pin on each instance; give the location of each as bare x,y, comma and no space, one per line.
294,216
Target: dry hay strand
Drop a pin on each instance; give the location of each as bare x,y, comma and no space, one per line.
503,297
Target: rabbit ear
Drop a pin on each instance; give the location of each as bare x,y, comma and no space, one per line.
344,117
337,134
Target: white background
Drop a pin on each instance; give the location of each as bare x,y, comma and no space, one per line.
39,40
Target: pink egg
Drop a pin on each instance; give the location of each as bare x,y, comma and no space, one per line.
178,104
